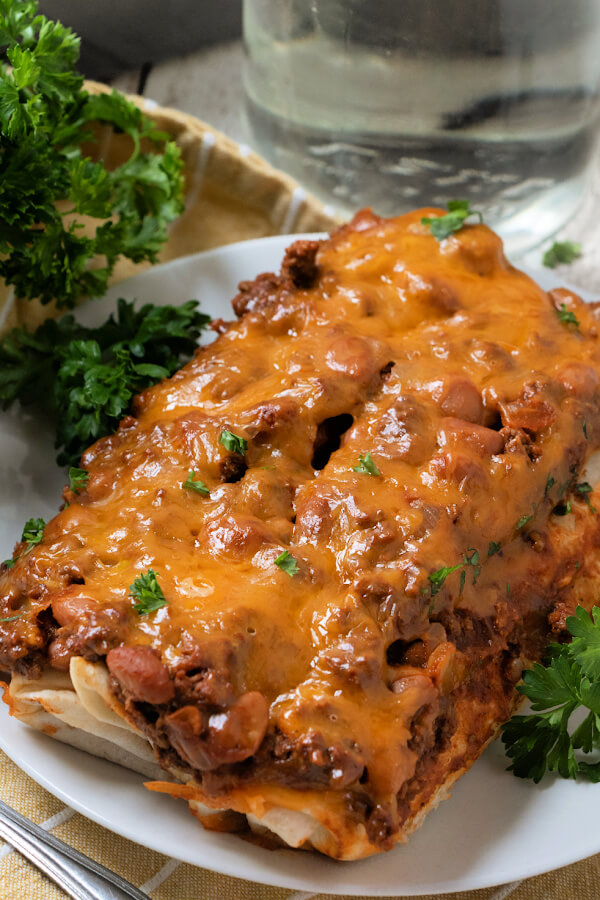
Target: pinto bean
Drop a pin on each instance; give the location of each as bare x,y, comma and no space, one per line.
236,734
579,379
141,673
225,737
485,441
462,400
70,609
351,356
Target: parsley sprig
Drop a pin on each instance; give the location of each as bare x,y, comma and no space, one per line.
148,593
88,376
78,479
47,184
561,252
458,212
546,740
33,532
366,465
233,442
192,483
286,562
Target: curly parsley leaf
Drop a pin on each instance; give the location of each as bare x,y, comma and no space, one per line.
46,181
286,562
88,376
78,479
33,532
192,483
544,741
443,226
366,465
148,593
585,647
561,252
233,442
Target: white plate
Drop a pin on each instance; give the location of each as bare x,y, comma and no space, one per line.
496,828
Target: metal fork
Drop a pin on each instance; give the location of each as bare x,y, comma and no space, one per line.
79,876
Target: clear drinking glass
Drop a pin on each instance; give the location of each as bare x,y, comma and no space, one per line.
403,103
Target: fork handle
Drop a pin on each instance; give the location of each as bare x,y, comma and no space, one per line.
79,876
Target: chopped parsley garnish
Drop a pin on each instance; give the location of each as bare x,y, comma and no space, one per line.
148,593
443,226
50,184
567,316
366,465
545,740
585,489
12,618
494,547
192,483
233,442
33,533
550,482
87,377
9,563
523,521
286,562
437,579
561,252
78,479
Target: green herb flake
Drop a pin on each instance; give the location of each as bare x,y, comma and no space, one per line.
523,521
78,479
437,579
562,509
148,593
366,465
584,489
567,316
9,563
232,442
550,482
561,252
286,562
192,483
33,532
585,431
443,226
12,618
495,547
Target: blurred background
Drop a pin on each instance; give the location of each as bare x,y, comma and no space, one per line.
121,35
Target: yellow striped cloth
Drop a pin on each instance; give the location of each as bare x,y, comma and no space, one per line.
231,196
